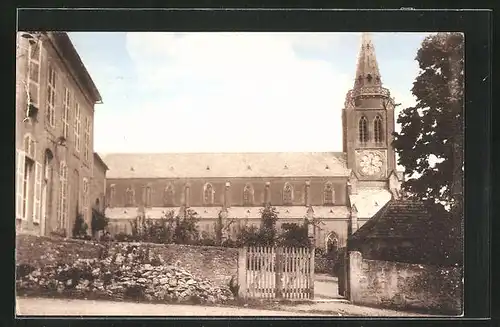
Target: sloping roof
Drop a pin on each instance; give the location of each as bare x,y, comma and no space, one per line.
397,219
69,53
291,212
369,200
98,158
196,165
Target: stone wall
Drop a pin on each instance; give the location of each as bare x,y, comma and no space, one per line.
405,286
217,265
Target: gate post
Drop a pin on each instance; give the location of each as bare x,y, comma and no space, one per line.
312,254
279,272
242,272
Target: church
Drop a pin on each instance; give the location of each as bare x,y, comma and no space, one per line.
341,190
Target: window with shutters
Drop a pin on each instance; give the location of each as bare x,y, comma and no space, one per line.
377,129
77,126
62,208
363,130
168,198
50,113
147,196
287,194
37,193
208,194
65,115
85,199
86,141
20,177
28,174
328,194
34,59
248,195
129,197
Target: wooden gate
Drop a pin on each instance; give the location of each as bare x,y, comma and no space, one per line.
276,273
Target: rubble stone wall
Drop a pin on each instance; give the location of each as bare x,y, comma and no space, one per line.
215,264
405,286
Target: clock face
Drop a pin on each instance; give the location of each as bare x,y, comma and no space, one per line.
370,163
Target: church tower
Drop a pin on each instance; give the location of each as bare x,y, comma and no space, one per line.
368,120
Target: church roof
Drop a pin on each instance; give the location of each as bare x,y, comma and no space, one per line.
367,64
205,165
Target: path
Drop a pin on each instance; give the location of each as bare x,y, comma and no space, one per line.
326,287
60,307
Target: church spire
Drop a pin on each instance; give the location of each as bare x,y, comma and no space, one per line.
367,72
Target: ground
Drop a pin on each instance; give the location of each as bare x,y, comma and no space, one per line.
327,303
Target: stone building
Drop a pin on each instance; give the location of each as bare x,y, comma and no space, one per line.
55,98
98,188
343,190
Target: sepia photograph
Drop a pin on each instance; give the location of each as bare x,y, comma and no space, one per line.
281,174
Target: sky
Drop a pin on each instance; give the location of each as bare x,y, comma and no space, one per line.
233,92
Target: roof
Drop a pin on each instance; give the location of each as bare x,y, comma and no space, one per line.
99,160
284,212
397,219
69,53
205,165
369,200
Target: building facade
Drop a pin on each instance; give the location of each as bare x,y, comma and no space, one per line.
98,188
55,98
343,190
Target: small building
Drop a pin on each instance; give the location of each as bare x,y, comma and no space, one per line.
402,231
98,189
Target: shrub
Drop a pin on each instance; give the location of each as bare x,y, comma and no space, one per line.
294,235
99,222
80,228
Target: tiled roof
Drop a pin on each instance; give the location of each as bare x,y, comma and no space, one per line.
284,212
200,165
397,219
369,200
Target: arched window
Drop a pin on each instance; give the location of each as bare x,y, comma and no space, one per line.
209,194
168,197
377,129
62,214
129,197
97,204
112,196
147,196
287,194
328,194
248,195
363,130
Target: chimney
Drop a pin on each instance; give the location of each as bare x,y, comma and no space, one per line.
227,202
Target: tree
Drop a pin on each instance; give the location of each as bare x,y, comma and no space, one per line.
268,233
434,126
433,129
294,235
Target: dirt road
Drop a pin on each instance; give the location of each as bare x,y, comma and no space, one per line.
59,307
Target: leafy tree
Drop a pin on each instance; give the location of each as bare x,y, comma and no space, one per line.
80,228
433,129
434,126
268,233
99,221
294,235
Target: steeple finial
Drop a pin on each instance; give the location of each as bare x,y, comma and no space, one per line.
367,72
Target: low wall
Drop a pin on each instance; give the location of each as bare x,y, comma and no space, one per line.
405,286
213,263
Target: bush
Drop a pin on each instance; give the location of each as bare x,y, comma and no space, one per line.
80,228
294,235
99,222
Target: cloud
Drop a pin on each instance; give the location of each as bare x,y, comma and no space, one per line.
226,92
